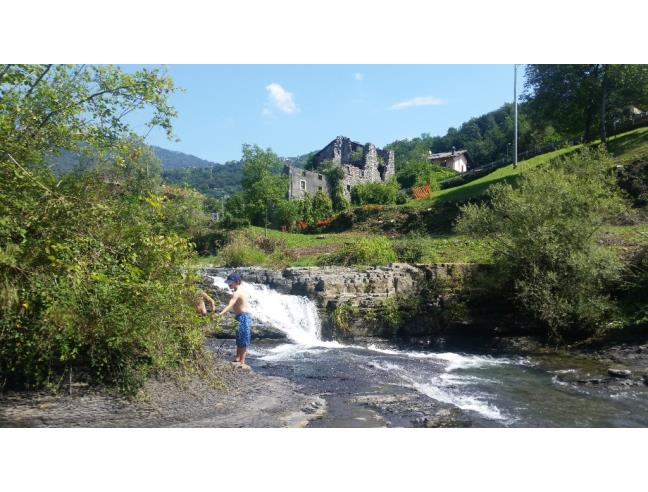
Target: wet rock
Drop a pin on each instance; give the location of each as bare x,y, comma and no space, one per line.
593,381
619,373
242,367
443,418
645,379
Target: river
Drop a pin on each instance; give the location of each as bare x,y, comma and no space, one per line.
380,383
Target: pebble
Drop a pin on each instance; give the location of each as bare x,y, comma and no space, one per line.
619,373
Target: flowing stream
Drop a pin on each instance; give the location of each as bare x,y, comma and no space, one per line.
490,389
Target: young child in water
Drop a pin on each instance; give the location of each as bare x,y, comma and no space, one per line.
238,305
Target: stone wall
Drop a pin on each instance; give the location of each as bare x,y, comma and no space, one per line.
302,182
375,165
363,289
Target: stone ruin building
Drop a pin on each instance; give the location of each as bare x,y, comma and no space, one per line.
361,164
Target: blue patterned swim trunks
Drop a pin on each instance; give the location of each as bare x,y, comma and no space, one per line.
244,332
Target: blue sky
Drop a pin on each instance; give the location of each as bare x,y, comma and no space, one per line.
294,109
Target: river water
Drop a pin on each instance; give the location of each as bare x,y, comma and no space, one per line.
490,389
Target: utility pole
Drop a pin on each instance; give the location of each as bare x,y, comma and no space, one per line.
515,118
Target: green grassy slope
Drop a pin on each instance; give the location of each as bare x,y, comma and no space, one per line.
452,248
628,146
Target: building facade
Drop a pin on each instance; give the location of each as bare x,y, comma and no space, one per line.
360,163
457,160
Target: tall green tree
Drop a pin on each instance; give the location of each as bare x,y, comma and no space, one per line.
576,99
263,183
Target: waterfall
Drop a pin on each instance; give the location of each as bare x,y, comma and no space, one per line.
296,316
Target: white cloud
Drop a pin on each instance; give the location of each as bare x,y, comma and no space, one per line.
418,101
279,98
358,75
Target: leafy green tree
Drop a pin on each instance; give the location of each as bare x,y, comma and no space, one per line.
322,206
263,184
90,273
546,255
573,98
334,175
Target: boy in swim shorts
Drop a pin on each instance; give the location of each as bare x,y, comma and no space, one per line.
238,305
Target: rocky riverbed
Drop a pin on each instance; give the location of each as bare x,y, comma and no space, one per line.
246,399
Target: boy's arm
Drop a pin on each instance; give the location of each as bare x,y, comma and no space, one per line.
231,303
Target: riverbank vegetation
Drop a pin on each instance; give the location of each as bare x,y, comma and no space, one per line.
94,265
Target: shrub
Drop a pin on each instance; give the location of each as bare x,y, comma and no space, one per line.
402,197
340,317
422,172
633,179
97,295
410,249
546,257
375,193
231,222
372,251
240,252
322,207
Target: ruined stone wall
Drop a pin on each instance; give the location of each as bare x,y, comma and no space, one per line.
298,178
375,166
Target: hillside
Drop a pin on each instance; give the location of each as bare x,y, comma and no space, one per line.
172,159
214,181
428,223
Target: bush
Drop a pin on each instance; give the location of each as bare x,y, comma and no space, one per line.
546,257
633,179
98,290
372,251
410,250
241,252
422,172
402,197
375,193
230,222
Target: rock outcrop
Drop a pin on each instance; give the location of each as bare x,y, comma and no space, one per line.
419,289
329,286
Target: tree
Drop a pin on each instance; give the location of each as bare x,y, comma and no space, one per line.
572,98
90,272
334,176
322,207
547,259
263,184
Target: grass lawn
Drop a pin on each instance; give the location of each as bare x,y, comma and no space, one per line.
627,146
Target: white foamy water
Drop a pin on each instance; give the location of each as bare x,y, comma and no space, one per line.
296,316
443,388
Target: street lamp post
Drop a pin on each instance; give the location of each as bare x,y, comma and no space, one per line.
515,118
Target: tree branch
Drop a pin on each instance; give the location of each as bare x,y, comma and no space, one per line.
78,103
40,77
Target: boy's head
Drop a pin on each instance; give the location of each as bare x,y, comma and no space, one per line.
233,280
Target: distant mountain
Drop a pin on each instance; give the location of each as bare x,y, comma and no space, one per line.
178,168
172,159
216,180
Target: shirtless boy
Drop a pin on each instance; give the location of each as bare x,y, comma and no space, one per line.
238,305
